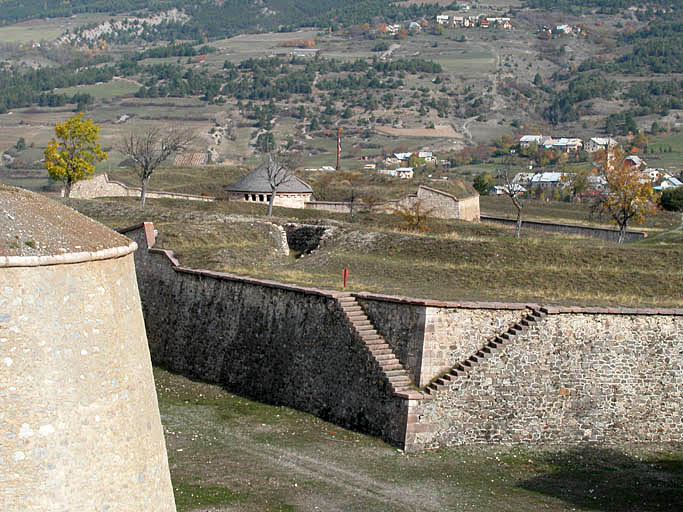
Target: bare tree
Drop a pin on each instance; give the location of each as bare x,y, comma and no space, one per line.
514,191
277,173
150,148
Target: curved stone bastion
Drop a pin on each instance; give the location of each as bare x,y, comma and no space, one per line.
79,420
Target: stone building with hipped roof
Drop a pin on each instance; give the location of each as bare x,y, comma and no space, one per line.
255,188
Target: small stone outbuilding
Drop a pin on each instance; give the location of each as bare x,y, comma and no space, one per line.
255,188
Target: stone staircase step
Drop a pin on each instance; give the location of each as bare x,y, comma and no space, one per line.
391,367
380,350
376,344
361,323
386,358
394,373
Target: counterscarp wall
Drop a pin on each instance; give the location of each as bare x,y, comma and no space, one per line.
611,235
429,337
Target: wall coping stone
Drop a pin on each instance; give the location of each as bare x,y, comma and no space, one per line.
67,258
446,304
558,310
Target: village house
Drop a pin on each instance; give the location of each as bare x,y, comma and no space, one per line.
428,156
563,144
405,173
634,161
566,144
526,140
597,143
669,182
255,188
546,180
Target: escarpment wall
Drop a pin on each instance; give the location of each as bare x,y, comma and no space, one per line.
574,377
276,343
429,337
551,374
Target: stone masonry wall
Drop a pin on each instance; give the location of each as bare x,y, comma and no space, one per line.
429,337
611,235
402,326
101,186
469,208
454,334
574,377
80,417
276,343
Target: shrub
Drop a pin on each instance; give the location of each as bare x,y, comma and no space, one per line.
672,199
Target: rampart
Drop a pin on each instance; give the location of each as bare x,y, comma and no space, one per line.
101,186
611,235
420,373
277,343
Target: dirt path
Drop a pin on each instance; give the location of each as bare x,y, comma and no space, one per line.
386,54
340,484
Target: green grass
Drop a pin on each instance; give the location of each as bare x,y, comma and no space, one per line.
191,496
223,457
105,91
571,213
666,160
28,33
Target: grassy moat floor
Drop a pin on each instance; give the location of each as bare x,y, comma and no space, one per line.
227,453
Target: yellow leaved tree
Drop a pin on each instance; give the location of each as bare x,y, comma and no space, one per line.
71,156
628,195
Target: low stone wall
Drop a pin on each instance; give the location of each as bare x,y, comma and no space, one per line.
575,377
440,205
329,206
611,235
101,186
272,342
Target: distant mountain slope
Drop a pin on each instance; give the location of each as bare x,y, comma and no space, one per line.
213,18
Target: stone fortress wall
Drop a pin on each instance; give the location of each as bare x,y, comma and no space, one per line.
479,372
101,186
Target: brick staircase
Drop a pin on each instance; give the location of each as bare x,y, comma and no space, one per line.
393,370
460,370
